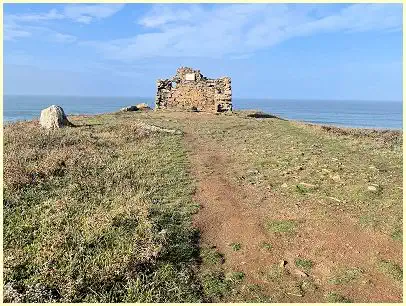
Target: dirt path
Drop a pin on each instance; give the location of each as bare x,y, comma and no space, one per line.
236,214
226,217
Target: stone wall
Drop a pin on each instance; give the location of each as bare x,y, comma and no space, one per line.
189,89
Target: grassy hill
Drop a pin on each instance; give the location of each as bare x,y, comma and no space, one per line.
235,208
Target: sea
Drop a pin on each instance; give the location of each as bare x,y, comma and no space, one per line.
361,114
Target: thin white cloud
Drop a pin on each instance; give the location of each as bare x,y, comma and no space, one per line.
40,33
86,13
27,18
63,38
216,31
20,25
161,15
83,13
13,33
232,30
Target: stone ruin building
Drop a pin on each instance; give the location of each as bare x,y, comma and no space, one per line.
190,90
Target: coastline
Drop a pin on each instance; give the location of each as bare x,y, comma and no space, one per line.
342,130
356,114
259,114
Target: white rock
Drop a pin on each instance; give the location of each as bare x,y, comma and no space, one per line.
53,117
130,108
372,188
283,263
143,106
335,199
154,128
308,185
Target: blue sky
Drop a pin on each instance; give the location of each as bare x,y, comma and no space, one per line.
292,51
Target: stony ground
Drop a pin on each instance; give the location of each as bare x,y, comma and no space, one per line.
284,212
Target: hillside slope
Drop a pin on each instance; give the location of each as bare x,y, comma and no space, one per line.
237,208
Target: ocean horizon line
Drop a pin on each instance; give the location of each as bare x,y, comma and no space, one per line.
234,98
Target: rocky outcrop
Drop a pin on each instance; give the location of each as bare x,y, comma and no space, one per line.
54,117
131,108
143,106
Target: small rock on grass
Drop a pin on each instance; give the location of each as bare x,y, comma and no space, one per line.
308,185
372,188
142,106
154,128
131,108
335,199
283,263
54,117
300,273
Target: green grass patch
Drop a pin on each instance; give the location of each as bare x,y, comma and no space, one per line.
255,294
368,220
346,276
211,257
282,226
215,285
397,235
391,269
308,285
235,246
235,277
266,246
275,272
304,264
333,297
301,189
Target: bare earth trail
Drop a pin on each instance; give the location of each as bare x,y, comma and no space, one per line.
235,213
225,216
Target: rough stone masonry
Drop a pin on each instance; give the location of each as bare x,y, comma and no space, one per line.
190,90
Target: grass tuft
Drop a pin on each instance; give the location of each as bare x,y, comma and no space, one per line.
346,276
266,246
301,189
215,285
391,269
235,246
397,235
333,297
282,226
211,257
235,277
305,264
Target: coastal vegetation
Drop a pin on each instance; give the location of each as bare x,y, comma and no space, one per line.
235,207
